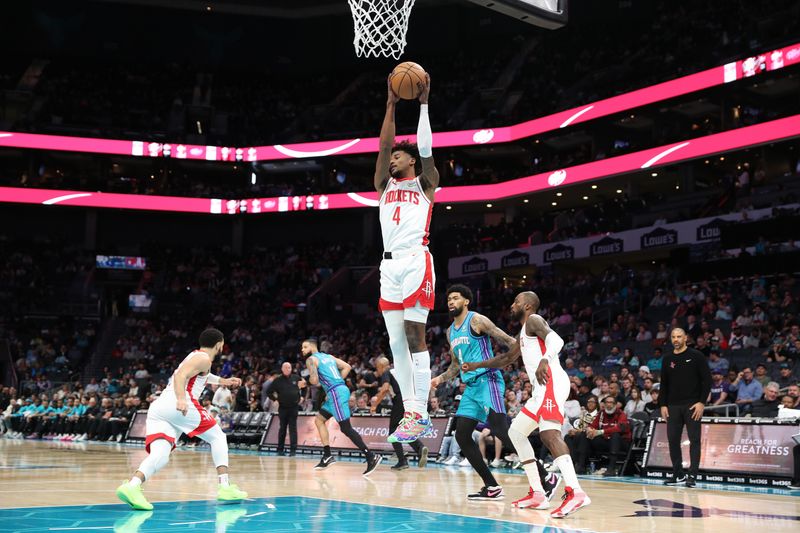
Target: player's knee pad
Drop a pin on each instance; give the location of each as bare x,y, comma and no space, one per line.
157,459
219,445
518,433
464,431
347,429
417,314
395,325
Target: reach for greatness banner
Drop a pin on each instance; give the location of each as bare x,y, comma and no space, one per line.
373,429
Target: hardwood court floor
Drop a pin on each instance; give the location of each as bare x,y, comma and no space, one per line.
288,495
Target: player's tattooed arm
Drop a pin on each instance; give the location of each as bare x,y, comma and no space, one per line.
452,370
499,361
311,365
386,141
482,325
447,375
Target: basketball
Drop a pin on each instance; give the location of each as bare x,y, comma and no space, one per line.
407,80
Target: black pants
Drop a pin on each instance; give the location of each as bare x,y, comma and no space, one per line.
796,454
613,446
288,417
679,416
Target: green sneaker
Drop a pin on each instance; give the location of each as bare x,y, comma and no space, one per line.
134,497
230,493
132,522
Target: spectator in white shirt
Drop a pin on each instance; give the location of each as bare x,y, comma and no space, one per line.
141,372
223,398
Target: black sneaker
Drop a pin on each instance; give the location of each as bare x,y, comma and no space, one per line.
550,484
690,482
400,466
794,486
423,457
676,480
487,493
611,472
325,462
372,463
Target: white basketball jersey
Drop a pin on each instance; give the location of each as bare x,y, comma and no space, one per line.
195,385
405,214
533,350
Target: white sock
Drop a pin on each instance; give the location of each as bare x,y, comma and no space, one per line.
532,471
403,370
564,464
135,481
223,480
422,381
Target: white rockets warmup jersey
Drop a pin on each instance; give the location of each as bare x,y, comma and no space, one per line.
533,350
405,214
195,385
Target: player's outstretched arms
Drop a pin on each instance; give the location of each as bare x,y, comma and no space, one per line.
386,141
430,175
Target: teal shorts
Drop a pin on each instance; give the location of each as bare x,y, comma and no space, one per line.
337,403
486,392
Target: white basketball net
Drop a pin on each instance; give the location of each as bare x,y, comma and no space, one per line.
380,26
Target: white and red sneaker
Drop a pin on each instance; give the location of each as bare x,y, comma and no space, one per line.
534,500
572,502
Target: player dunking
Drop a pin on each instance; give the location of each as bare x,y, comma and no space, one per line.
407,277
177,411
329,371
540,346
484,397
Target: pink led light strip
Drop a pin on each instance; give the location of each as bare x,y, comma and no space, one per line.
751,66
775,130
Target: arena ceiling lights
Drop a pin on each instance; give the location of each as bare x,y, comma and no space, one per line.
744,68
776,130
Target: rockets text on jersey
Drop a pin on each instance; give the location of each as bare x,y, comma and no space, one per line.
405,214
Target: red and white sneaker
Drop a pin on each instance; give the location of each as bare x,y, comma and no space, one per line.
572,502
534,500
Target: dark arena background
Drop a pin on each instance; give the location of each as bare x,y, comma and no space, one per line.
167,167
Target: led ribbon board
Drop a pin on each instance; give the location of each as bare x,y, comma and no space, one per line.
776,130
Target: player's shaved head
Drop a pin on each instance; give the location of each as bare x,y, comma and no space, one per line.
529,298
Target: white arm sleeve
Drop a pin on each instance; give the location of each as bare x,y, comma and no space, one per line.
212,379
553,344
424,134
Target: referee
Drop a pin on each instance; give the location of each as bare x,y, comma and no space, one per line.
387,383
685,386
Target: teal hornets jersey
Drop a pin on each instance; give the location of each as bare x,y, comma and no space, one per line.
470,349
329,375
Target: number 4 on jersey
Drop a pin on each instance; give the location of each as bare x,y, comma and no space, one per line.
396,216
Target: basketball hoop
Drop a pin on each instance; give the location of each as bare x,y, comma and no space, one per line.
380,26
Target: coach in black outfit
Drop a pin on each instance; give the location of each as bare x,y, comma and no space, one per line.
685,385
287,389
